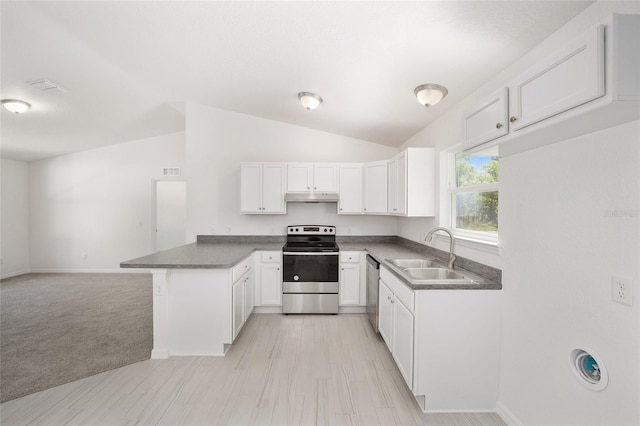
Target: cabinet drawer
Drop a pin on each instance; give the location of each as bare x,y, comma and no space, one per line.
350,257
271,257
399,289
240,269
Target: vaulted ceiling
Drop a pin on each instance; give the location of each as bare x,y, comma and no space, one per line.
128,67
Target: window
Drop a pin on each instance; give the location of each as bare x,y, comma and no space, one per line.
474,195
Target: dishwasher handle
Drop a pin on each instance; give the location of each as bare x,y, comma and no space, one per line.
373,262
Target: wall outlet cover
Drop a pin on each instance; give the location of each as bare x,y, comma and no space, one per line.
622,290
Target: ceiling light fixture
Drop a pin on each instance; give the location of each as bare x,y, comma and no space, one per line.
309,100
15,105
430,94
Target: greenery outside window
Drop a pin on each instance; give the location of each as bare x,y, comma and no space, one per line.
474,195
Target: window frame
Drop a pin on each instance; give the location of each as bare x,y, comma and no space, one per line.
476,238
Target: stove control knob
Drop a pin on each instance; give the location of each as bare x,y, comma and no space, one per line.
296,278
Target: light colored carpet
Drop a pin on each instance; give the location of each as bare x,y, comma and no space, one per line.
57,328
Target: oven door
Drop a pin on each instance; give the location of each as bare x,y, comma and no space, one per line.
310,268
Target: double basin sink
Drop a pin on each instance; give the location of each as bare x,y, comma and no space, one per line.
428,272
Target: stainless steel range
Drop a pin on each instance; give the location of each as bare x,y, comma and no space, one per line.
310,270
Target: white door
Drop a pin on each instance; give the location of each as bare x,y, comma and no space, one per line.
273,182
270,284
350,200
325,178
375,187
486,121
251,188
402,349
299,177
385,314
570,77
393,185
171,213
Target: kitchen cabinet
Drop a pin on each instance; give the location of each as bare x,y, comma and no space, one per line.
396,325
350,278
412,183
312,177
375,187
262,188
241,295
268,284
586,85
486,121
350,193
572,76
431,334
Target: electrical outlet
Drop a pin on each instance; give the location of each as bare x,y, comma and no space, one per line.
158,289
622,290
84,256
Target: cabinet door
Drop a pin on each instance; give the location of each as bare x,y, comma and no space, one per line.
270,284
402,347
273,188
350,199
572,76
486,121
350,284
393,185
385,314
299,176
401,183
375,187
248,295
238,307
325,178
250,188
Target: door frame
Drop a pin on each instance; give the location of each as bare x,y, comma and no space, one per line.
153,214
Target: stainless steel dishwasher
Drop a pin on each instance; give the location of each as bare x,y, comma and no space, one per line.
373,276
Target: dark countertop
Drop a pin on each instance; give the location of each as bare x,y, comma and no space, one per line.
211,253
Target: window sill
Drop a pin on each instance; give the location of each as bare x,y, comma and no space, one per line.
475,244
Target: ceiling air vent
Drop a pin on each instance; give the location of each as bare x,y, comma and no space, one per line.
47,86
171,171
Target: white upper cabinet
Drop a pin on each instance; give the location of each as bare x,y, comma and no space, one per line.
589,84
262,187
375,187
412,183
486,121
310,177
350,184
572,76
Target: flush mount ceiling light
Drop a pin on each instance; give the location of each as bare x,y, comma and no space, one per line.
430,94
15,105
309,100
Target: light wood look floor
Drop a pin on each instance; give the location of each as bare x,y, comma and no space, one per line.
296,370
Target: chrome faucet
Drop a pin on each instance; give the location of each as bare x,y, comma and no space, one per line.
429,237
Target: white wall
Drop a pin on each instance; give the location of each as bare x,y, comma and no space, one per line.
97,202
217,141
569,219
14,201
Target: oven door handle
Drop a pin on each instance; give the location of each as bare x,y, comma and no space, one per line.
294,253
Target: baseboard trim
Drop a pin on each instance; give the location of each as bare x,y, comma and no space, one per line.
267,310
506,415
352,310
14,274
91,271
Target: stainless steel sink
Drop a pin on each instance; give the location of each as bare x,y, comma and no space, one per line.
427,272
412,263
433,274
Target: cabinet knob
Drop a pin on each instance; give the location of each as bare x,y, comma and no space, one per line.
499,126
340,208
388,298
392,301
315,187
513,118
308,187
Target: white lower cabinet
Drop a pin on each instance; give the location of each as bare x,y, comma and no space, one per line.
351,278
242,298
268,284
396,327
444,342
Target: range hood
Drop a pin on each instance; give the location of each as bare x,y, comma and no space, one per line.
311,197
